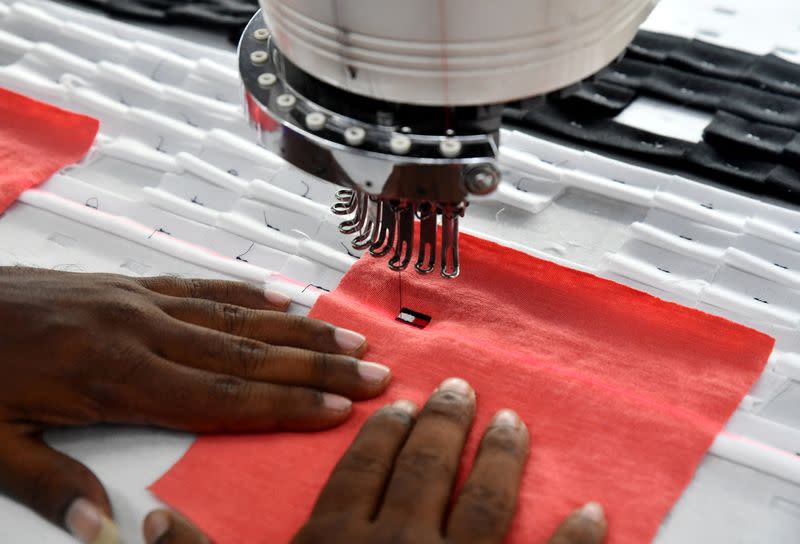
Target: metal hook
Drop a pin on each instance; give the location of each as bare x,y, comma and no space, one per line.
404,245
354,225
344,195
367,234
386,231
450,264
347,203
427,239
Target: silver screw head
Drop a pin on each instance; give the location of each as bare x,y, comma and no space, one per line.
482,179
259,57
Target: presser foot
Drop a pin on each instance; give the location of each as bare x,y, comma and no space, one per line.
387,226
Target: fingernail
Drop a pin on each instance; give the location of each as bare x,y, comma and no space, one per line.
348,340
373,372
156,525
593,512
406,406
506,418
458,386
89,525
277,299
336,403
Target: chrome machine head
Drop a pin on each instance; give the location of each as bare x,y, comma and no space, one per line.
396,162
400,103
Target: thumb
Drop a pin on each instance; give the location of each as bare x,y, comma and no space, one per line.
165,527
55,486
585,526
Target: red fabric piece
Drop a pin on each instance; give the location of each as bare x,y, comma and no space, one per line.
36,141
623,394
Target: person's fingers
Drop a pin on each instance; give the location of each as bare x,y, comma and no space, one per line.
425,469
274,328
202,401
243,357
356,484
230,292
584,526
55,486
485,507
166,527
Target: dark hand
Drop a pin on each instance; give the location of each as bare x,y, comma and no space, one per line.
204,356
395,483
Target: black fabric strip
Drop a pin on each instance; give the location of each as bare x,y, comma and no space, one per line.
775,74
791,153
596,98
704,92
738,171
654,47
711,60
752,143
762,106
601,132
686,89
753,140
768,72
627,72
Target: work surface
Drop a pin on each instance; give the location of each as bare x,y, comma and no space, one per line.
175,163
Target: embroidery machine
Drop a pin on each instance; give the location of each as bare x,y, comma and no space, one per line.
179,138
405,112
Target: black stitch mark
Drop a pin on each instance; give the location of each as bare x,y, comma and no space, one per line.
188,121
264,213
159,144
308,189
685,237
665,270
618,181
161,230
92,202
195,201
519,187
708,206
781,266
316,286
233,172
249,249
123,101
760,300
347,250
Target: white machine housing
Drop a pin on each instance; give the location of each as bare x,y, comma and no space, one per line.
401,101
453,52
